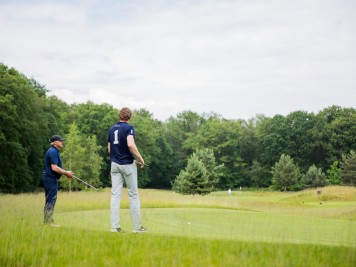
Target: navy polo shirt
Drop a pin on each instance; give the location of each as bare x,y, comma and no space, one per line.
52,157
119,151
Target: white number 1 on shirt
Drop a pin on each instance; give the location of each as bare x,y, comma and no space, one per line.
116,140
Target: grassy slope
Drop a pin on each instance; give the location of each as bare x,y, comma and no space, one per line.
232,232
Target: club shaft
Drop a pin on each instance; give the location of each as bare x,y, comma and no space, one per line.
84,182
143,164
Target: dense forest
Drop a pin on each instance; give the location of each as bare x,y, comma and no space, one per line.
247,153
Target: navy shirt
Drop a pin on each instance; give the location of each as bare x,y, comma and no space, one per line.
52,157
119,151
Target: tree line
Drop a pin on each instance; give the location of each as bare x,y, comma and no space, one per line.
220,153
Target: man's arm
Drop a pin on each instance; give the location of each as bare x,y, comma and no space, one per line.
134,150
59,170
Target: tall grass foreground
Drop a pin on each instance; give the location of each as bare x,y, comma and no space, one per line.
251,228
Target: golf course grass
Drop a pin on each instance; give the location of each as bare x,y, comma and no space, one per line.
248,228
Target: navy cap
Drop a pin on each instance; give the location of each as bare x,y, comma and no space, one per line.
56,138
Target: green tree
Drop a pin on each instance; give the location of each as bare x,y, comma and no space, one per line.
334,174
151,145
343,135
73,157
248,142
333,135
290,135
176,131
213,170
299,128
56,112
313,178
223,137
285,173
162,170
258,175
271,134
95,119
81,155
39,89
93,162
23,132
193,179
348,168
321,147
14,179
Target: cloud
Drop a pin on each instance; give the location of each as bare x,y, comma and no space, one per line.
236,58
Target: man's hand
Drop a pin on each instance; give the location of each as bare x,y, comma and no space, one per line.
141,163
69,174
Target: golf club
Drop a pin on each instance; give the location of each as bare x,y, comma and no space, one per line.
84,182
143,164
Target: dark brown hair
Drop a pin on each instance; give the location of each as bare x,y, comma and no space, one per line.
125,114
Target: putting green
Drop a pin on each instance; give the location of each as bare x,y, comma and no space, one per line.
223,224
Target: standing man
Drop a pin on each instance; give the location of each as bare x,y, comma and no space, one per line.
51,174
123,151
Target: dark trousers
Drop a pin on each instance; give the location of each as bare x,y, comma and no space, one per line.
51,189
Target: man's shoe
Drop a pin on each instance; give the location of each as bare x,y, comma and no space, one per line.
117,230
141,230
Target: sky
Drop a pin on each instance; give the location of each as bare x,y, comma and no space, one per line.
235,58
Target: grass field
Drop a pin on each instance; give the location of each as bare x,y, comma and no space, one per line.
245,229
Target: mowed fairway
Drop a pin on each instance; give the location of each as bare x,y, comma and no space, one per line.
245,229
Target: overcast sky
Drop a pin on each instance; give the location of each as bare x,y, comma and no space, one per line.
236,58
